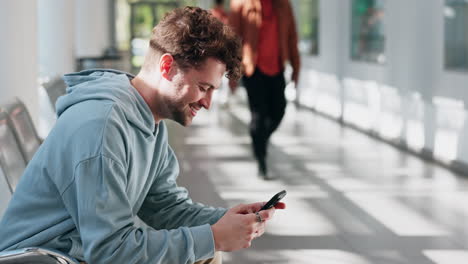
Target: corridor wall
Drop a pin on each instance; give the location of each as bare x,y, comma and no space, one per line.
409,100
18,50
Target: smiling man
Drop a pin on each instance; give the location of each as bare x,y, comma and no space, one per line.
107,163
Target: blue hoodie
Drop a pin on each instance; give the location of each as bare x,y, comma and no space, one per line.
105,164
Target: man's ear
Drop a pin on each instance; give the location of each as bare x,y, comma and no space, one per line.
166,63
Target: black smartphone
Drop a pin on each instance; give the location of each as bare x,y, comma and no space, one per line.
274,200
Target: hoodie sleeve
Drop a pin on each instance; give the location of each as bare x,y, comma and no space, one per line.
168,206
101,211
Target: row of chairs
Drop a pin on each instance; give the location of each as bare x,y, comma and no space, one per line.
19,141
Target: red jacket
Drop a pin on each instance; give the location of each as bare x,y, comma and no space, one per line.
246,17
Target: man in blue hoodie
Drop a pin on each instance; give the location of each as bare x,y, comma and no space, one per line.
107,161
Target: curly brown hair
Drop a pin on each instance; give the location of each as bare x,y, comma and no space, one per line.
192,35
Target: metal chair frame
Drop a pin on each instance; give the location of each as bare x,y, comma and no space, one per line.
35,255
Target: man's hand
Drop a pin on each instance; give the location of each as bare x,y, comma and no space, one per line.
295,77
239,226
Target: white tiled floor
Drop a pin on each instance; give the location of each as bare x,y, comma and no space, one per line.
351,199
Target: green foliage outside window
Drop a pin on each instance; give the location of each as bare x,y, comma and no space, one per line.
307,17
456,34
367,31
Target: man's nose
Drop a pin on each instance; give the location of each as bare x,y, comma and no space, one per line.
206,101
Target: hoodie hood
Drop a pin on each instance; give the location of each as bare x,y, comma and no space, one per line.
107,85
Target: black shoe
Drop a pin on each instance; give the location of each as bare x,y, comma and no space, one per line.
262,168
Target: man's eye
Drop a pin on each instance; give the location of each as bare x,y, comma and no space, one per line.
203,89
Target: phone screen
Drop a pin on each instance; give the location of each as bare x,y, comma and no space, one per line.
274,200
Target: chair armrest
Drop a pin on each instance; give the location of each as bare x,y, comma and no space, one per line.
35,255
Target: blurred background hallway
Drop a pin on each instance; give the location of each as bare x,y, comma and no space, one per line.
351,198
372,151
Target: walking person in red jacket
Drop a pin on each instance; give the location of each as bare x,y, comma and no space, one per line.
269,39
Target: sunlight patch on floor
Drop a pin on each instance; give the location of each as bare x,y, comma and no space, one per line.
300,219
307,257
399,218
447,256
218,140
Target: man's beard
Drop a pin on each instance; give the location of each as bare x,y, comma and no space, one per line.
180,116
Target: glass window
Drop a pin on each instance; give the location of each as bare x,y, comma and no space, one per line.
307,17
367,31
456,34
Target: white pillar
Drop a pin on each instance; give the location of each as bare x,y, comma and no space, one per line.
413,58
18,52
92,28
56,37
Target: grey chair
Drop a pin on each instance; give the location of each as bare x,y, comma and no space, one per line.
16,125
55,88
5,193
23,127
11,158
34,255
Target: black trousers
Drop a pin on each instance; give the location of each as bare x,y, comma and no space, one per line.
267,105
